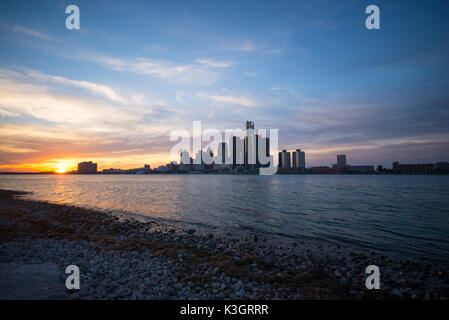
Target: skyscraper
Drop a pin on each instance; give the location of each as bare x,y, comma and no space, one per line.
250,155
237,148
299,160
249,125
208,158
341,161
222,153
284,159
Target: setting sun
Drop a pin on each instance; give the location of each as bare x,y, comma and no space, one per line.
62,168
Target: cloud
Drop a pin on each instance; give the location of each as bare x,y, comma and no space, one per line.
289,90
199,73
244,101
37,147
102,90
244,46
30,94
5,113
54,124
31,32
250,74
216,64
321,23
366,129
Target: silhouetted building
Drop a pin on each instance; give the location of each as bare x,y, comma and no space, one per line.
249,125
267,146
185,163
359,169
208,157
87,167
442,166
299,160
413,168
325,170
284,159
237,148
249,145
341,161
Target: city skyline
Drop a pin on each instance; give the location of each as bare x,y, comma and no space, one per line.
112,91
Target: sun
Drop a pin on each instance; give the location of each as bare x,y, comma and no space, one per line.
62,167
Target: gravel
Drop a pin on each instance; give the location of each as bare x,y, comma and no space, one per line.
124,258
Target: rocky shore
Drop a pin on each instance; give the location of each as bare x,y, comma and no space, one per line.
124,258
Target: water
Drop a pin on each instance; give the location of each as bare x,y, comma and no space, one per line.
408,215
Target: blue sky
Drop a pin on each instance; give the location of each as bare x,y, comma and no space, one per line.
113,90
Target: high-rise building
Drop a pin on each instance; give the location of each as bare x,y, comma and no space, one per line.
208,157
260,147
302,161
267,146
341,161
184,157
222,153
284,159
249,125
250,153
87,167
237,148
299,160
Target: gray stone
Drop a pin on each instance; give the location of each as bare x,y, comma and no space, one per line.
31,282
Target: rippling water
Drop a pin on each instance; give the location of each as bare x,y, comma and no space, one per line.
403,214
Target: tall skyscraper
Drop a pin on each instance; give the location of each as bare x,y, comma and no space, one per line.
299,160
237,148
341,161
284,159
249,125
184,157
267,146
250,155
208,158
222,152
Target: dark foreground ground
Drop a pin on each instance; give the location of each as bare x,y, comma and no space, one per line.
127,259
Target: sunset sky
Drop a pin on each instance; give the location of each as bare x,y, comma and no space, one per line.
113,91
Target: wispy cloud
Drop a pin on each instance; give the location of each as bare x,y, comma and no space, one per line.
216,64
35,95
95,88
195,73
289,90
321,23
236,100
250,74
30,32
240,45
5,113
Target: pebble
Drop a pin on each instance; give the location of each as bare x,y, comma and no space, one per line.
139,274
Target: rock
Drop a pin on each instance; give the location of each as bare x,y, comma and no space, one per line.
115,275
397,292
31,281
221,296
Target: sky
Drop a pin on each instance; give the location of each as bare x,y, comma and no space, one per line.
113,91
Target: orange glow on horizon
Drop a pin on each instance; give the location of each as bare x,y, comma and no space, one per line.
62,168
65,165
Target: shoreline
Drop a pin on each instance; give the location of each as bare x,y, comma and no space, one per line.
123,258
